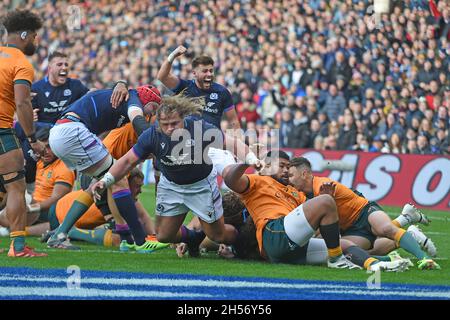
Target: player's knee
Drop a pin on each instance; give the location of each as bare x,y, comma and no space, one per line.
14,182
387,230
164,237
217,237
328,204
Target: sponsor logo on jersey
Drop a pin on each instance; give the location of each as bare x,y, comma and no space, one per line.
177,160
208,108
55,106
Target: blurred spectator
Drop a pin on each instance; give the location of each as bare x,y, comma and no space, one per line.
423,146
411,147
334,104
300,135
395,145
285,127
347,132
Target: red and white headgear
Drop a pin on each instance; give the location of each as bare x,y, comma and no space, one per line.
148,93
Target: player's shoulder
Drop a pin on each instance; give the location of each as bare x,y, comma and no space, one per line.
73,82
219,88
17,55
38,84
322,179
259,178
150,132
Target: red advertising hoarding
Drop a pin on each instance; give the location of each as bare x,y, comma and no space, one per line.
390,179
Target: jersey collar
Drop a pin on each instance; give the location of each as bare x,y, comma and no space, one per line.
9,45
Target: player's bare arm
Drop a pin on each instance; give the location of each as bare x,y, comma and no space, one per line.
59,191
164,75
233,119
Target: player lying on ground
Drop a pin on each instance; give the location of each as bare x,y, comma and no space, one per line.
96,228
360,221
281,248
246,246
286,222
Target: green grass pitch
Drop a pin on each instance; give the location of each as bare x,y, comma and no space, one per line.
166,261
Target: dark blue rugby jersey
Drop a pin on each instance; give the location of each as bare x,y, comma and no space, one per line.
215,101
96,112
52,101
181,159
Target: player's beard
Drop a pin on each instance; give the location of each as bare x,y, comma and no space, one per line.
29,49
284,181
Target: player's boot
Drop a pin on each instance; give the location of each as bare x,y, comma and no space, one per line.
159,245
46,235
423,240
149,246
414,215
126,247
342,263
428,264
389,266
394,256
61,241
27,252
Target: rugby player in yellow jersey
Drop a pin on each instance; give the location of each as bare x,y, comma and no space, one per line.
284,222
91,226
360,221
16,76
287,237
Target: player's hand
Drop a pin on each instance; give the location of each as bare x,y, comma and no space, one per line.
179,51
35,114
119,95
38,148
225,251
259,165
181,249
328,188
97,189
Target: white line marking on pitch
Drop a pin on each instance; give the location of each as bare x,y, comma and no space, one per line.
418,294
176,282
192,283
87,293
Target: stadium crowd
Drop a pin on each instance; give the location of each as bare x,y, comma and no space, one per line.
324,72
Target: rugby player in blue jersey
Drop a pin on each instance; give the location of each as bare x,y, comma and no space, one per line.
180,141
50,97
215,99
74,140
